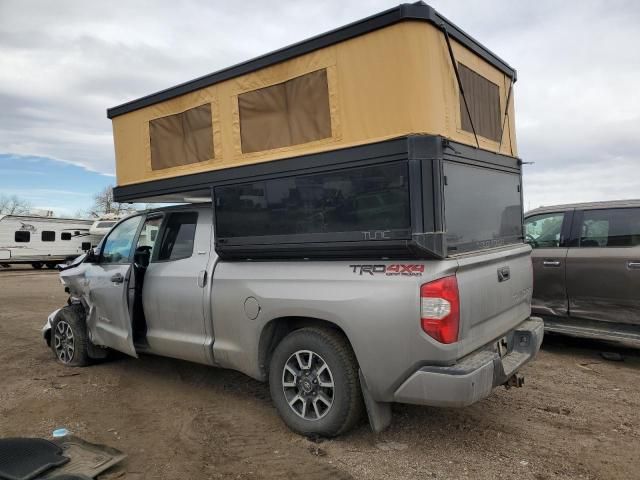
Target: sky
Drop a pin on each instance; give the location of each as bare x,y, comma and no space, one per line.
63,63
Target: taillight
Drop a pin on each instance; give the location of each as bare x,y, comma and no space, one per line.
440,309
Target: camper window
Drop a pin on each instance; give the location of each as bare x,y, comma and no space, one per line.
354,200
289,113
483,100
483,207
48,236
22,236
181,139
65,236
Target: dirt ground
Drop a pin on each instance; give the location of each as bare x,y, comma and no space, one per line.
578,415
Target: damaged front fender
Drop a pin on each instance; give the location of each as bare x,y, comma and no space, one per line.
46,330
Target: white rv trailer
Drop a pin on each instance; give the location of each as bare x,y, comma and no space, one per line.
102,225
41,241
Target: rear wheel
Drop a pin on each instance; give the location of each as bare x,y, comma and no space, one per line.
37,265
69,340
51,266
314,383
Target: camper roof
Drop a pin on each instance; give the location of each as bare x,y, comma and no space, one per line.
418,11
46,219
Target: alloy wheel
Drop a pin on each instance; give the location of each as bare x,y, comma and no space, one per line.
64,344
308,385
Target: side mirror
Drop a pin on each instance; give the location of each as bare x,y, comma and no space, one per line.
93,255
142,256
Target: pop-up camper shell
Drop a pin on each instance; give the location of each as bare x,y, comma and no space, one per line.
390,137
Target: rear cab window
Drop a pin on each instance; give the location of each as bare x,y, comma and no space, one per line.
178,236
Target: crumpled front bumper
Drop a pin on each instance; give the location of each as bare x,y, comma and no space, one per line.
474,377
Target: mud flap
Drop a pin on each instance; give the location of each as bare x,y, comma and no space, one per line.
379,413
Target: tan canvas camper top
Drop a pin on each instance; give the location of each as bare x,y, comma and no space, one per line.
398,73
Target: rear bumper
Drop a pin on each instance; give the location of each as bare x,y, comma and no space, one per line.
474,377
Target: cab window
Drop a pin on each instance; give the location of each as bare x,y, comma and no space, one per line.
616,227
117,246
179,236
543,231
148,233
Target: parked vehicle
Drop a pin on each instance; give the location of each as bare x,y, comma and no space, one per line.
586,263
322,333
41,241
101,226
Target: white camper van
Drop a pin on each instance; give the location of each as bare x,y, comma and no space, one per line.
43,241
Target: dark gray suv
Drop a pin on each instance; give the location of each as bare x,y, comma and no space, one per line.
586,263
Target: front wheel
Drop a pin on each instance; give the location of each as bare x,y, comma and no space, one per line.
69,340
314,383
37,265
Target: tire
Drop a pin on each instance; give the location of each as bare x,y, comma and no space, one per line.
37,265
51,266
329,348
69,340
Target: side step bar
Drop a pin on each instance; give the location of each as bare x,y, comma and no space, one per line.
620,333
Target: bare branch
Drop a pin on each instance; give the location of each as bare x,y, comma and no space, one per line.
14,205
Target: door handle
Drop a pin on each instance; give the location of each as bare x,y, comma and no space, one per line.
551,263
117,278
202,278
634,264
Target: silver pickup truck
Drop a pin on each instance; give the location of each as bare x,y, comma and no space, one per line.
330,337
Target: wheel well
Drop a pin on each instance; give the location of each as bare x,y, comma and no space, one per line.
278,328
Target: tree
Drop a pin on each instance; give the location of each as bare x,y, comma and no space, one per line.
14,205
103,204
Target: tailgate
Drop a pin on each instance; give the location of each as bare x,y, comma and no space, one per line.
495,294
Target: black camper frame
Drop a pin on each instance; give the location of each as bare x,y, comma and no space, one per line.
424,156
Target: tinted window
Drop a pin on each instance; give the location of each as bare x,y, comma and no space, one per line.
48,236
65,236
482,208
117,246
22,237
179,235
610,228
352,200
543,231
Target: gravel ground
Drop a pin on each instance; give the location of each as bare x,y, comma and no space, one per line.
576,417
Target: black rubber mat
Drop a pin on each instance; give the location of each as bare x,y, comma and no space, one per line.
26,458
69,477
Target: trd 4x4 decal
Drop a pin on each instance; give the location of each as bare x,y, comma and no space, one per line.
410,270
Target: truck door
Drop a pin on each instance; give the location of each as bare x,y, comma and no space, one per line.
175,286
547,234
108,281
603,270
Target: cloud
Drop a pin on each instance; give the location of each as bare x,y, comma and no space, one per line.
577,102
